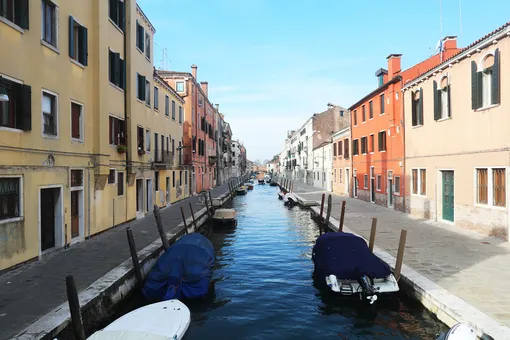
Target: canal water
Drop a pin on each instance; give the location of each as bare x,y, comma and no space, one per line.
263,287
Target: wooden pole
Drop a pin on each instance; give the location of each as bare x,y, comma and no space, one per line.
184,220
342,215
400,254
134,257
193,215
74,307
372,234
210,200
206,205
292,186
322,211
328,214
159,223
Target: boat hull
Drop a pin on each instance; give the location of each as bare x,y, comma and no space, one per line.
224,223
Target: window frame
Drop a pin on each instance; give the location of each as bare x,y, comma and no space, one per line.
121,24
109,130
490,187
370,110
147,141
147,45
363,114
366,145
173,110
181,115
177,87
82,121
56,105
396,188
55,25
19,24
114,176
147,92
382,99
378,182
371,141
20,202
80,48
122,183
156,98
418,182
167,106
365,181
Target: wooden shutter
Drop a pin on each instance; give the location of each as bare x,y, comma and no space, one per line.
75,121
495,83
437,101
141,87
71,37
24,112
122,64
113,9
420,108
141,33
21,17
122,15
413,110
379,141
449,101
116,68
475,87
83,36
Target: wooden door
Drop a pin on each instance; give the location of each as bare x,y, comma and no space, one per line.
48,201
448,196
75,214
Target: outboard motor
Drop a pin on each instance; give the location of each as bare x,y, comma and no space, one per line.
368,289
460,331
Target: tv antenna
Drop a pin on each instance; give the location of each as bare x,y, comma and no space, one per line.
164,57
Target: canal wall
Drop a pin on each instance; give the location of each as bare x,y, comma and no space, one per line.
447,307
99,299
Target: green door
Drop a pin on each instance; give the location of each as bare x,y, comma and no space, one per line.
448,196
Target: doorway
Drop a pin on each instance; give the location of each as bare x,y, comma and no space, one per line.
149,194
347,182
390,189
77,206
372,185
167,186
139,198
51,218
448,196
355,184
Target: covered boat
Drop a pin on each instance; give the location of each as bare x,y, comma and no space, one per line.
249,186
183,271
348,266
261,181
242,190
289,199
167,320
225,218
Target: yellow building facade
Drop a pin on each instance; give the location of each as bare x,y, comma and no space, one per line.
70,110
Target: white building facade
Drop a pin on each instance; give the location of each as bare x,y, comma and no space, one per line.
323,166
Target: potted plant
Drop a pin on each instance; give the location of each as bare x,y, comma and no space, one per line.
121,148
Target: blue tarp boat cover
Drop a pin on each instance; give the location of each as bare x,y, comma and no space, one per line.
183,271
347,256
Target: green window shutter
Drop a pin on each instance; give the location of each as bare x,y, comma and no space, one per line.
71,38
413,110
449,102
142,39
379,141
116,69
437,101
84,49
474,86
137,34
142,88
21,17
495,83
113,9
122,74
122,15
420,108
110,65
24,114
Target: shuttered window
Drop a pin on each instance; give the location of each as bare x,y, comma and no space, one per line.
140,87
117,13
381,136
120,183
156,98
16,11
382,103
355,147
78,42
423,182
334,149
117,131
140,36
491,186
117,68
415,181
371,109
499,187
372,143
482,186
441,99
363,114
355,117
173,109
485,81
363,145
340,148
76,121
346,149
16,113
417,107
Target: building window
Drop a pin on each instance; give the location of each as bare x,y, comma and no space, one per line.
16,11
173,109
378,184
78,46
371,109
173,146
16,113
117,13
117,131
156,180
365,181
340,148
355,146
139,137
49,111
355,117
49,22
441,99
340,175
120,183
419,178
147,92
363,145
167,108
173,178
341,113
148,46
156,98
334,176
363,114
147,140
372,148
485,81
397,184
346,149
200,100
141,84
180,86
334,149
76,121
382,140
180,115
417,107
382,103
117,67
185,177
140,36
112,176
491,186
10,197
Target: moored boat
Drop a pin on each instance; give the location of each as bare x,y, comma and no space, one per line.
242,190
289,199
225,218
273,184
459,331
249,186
261,181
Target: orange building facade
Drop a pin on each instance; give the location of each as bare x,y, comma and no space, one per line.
377,128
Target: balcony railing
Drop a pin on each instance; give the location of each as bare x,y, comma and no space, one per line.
163,157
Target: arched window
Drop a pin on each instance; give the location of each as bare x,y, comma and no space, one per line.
487,70
485,82
442,99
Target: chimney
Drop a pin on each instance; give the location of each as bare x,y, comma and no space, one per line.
450,42
205,86
218,108
393,65
194,70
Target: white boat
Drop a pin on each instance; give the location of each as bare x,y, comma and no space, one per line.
350,287
459,331
289,199
225,217
167,320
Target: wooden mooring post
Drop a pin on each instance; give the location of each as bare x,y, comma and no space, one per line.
134,257
193,215
328,213
212,204
400,254
74,307
206,205
184,220
373,230
322,211
342,215
161,231
292,186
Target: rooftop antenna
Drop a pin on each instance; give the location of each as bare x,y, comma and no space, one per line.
164,57
460,18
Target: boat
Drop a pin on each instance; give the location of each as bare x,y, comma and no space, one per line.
184,271
225,218
158,321
273,184
289,199
261,181
242,190
282,193
249,186
459,331
348,267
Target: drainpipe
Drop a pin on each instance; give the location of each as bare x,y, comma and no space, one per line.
402,122
126,129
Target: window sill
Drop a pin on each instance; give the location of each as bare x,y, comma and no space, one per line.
491,207
12,25
419,195
382,114
116,26
485,108
371,153
371,118
382,151
10,220
417,126
139,50
148,59
156,109
77,63
148,105
5,128
443,119
116,87
50,136
50,46
77,140
140,101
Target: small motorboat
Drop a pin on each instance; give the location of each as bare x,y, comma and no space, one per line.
249,186
273,184
281,194
225,218
289,199
348,267
261,181
158,321
459,331
242,190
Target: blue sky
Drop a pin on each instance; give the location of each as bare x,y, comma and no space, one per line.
271,64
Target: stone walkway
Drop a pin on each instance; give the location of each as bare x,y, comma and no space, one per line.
33,290
471,266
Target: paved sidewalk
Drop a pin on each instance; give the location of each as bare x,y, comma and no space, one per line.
471,266
33,290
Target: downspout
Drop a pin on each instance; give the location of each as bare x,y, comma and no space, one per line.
402,122
126,129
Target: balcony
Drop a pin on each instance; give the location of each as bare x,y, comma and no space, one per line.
163,158
212,160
